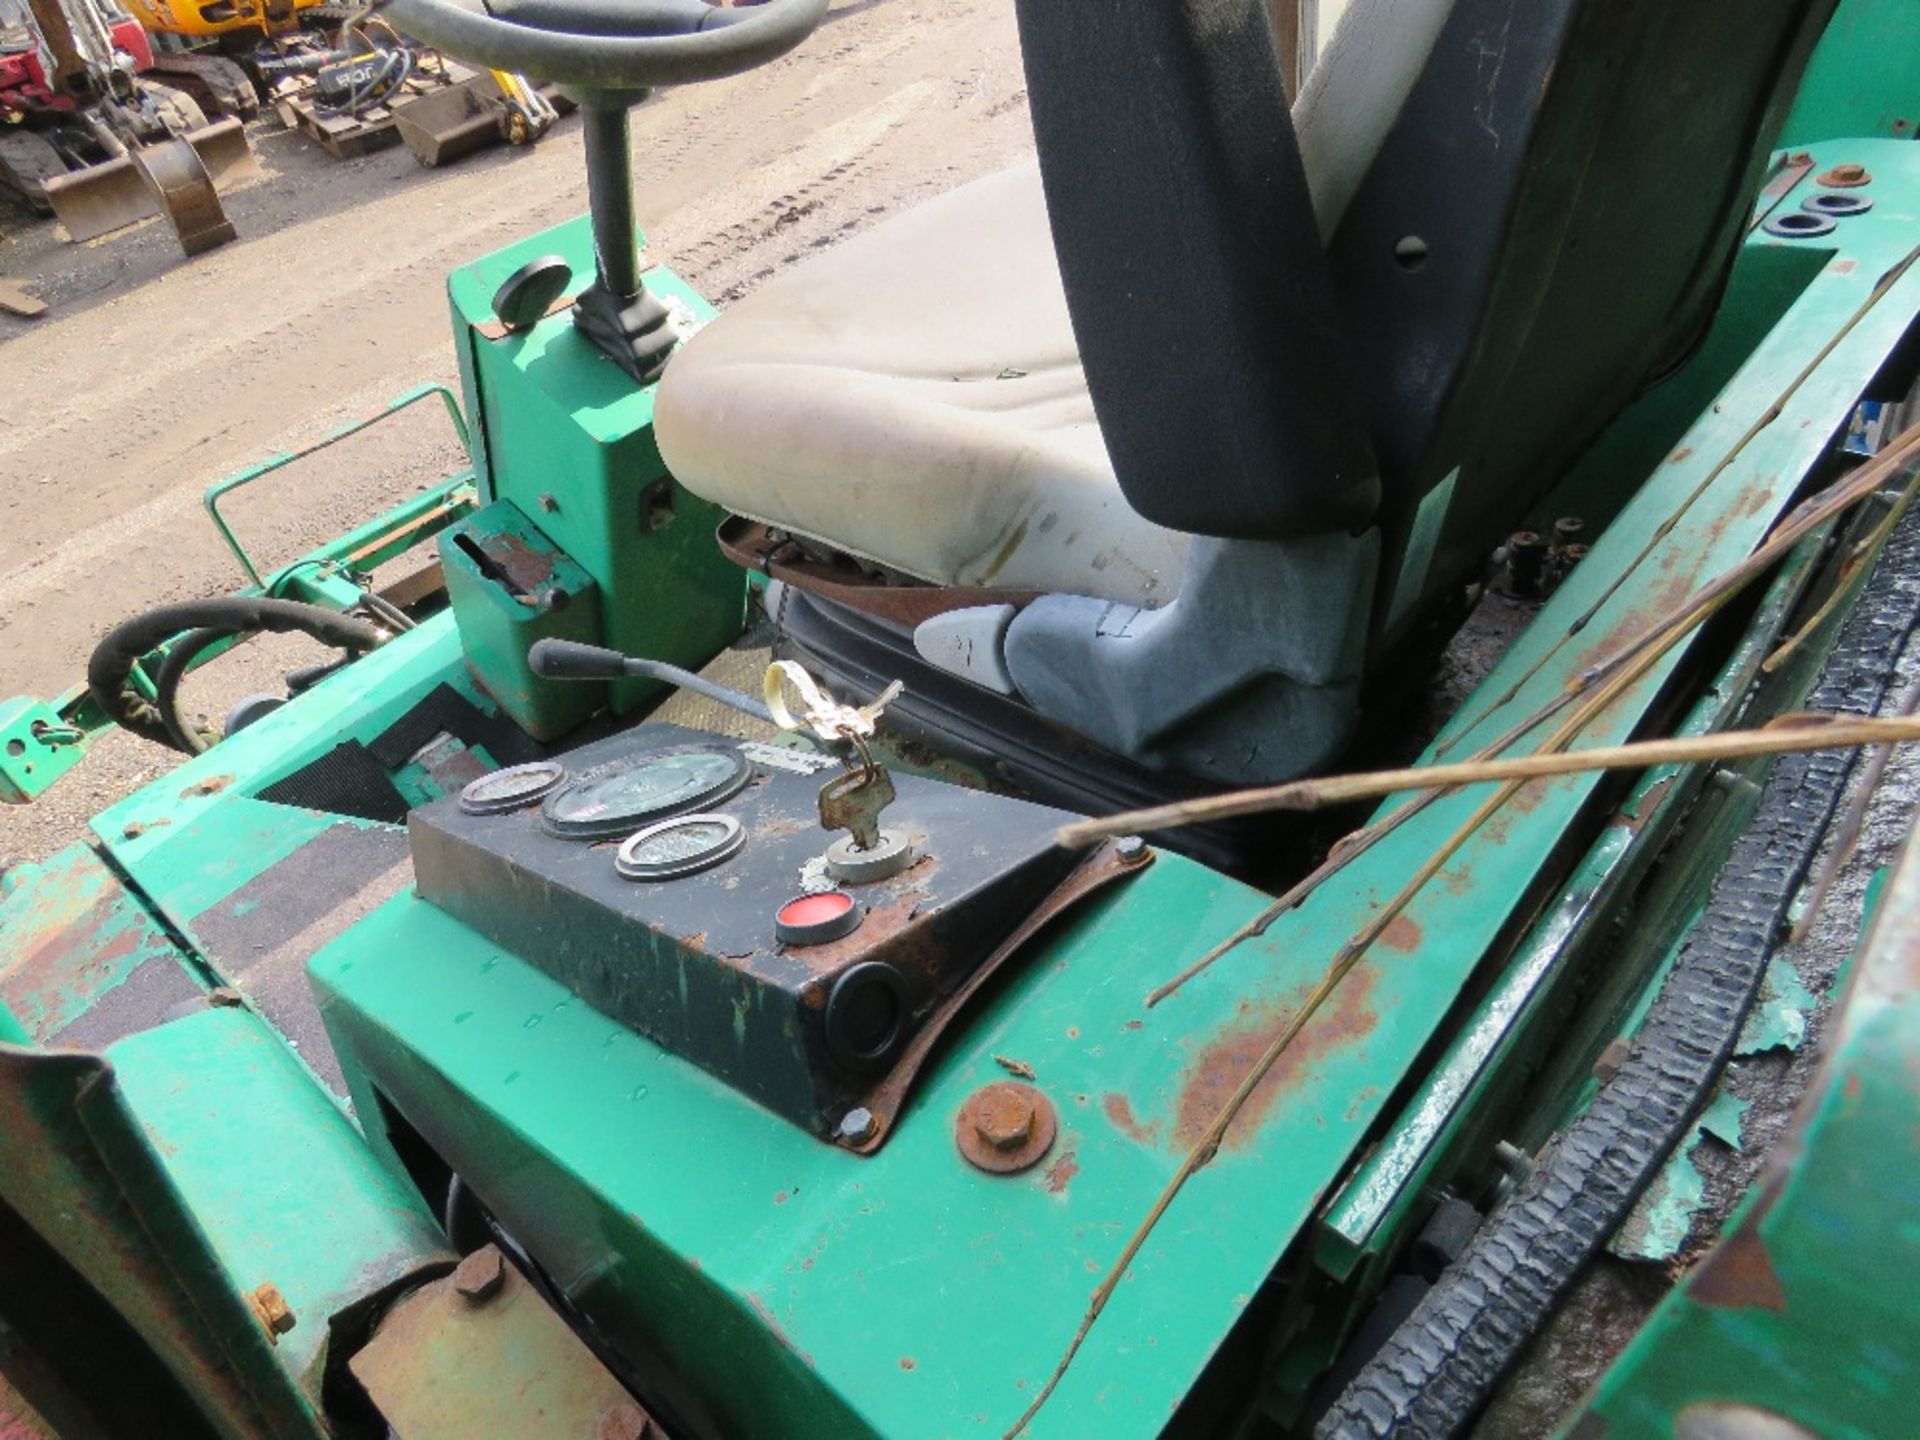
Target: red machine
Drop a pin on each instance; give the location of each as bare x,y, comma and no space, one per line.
85,136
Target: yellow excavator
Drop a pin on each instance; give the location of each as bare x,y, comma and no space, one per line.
228,52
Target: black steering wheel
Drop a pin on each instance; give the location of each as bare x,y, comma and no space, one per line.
608,54
610,45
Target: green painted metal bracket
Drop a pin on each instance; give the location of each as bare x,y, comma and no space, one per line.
37,746
221,488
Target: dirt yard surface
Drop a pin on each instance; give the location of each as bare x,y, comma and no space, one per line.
152,375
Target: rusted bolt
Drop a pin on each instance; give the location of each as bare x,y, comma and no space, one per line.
272,1310
1130,849
1004,1128
1567,529
1526,563
133,830
625,1421
1612,1058
1846,177
857,1125
480,1276
1004,1117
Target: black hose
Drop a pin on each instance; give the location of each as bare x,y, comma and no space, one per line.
1441,1365
110,669
166,686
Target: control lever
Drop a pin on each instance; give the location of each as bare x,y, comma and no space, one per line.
572,660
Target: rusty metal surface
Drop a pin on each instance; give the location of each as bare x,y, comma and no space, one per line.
1005,1128
82,963
186,194
1844,177
1096,872
756,547
444,1363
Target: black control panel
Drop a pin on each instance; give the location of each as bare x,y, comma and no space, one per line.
677,881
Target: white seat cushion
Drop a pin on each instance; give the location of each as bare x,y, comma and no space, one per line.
915,397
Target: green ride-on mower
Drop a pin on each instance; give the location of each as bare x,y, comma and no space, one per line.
662,978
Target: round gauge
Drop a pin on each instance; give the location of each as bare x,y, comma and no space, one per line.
623,795
679,847
511,788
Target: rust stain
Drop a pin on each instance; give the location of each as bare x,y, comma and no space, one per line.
212,785
1403,934
999,561
1061,1172
1681,454
525,566
1120,1111
1134,1025
906,1362
774,1329
1219,1070
1739,1275
1014,1067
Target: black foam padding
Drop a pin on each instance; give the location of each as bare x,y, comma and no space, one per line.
444,710
1437,1370
1193,266
347,780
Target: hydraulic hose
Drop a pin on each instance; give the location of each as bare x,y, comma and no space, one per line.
110,670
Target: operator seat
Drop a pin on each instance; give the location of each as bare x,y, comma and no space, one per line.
1194,421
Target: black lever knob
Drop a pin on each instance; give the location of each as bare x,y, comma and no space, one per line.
571,660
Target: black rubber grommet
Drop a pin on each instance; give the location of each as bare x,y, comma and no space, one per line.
1837,206
866,1016
1799,225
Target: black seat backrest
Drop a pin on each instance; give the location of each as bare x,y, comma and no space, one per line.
1577,175
1546,225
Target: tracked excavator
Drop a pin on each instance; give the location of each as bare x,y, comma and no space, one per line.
88,135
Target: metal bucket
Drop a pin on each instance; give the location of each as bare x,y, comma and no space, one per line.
445,125
178,178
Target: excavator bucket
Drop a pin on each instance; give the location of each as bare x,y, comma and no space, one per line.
444,125
180,179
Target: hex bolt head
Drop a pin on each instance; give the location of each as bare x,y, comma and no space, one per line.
480,1276
857,1125
1004,1117
271,1307
1130,849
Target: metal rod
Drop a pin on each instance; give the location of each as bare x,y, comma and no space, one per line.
610,198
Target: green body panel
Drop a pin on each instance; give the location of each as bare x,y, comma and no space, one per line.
190,1165
1804,1309
521,588
302,1204
655,1194
564,433
1863,79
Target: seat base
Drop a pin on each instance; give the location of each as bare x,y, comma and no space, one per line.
856,656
